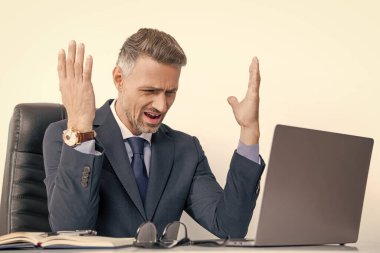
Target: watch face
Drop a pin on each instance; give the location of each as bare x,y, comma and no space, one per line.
70,137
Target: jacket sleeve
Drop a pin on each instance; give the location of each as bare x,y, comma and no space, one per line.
228,212
72,182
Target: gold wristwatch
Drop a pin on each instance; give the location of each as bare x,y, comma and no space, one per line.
73,137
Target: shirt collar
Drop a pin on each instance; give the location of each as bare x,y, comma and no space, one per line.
125,132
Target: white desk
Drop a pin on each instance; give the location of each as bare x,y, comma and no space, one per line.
364,247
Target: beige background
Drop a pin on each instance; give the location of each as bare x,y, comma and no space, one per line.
319,65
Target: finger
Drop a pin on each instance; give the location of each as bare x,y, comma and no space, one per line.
78,65
254,75
233,102
87,72
70,59
61,68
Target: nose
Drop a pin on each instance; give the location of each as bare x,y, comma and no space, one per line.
160,103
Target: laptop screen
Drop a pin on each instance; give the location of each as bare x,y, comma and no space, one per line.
314,189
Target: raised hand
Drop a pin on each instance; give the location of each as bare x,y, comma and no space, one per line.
247,111
76,87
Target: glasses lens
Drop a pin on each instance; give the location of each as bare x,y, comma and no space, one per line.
147,233
174,232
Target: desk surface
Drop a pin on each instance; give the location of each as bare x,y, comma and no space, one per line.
364,247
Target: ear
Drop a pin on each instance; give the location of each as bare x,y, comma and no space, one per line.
117,75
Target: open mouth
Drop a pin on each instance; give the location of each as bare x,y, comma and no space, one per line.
152,115
153,118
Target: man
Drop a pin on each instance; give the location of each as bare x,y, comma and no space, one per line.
96,179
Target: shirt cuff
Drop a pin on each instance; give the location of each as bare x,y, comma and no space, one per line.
87,147
250,152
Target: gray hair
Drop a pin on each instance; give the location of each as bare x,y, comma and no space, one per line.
158,45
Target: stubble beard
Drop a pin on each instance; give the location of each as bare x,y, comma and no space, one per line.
139,125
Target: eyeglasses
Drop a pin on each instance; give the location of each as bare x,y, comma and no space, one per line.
175,234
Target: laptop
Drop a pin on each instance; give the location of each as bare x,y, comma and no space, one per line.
314,189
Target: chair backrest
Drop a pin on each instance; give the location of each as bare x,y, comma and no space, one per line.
23,200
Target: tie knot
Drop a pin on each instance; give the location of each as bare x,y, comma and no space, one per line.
137,145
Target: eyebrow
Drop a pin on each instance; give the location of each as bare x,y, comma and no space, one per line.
157,89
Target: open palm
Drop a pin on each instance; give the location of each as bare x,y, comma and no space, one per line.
246,112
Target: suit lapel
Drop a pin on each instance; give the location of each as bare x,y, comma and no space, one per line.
160,168
109,135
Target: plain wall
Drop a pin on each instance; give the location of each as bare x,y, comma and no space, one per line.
319,64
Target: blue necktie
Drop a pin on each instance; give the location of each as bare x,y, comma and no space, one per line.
138,165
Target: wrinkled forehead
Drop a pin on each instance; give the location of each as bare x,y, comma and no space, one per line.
148,72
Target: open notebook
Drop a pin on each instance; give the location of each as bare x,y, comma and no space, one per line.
64,240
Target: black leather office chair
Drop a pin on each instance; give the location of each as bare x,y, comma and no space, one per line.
23,200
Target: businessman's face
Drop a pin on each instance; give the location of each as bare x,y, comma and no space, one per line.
146,94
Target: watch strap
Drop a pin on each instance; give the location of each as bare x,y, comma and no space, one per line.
82,137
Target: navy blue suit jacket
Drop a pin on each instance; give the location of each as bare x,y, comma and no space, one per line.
99,192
